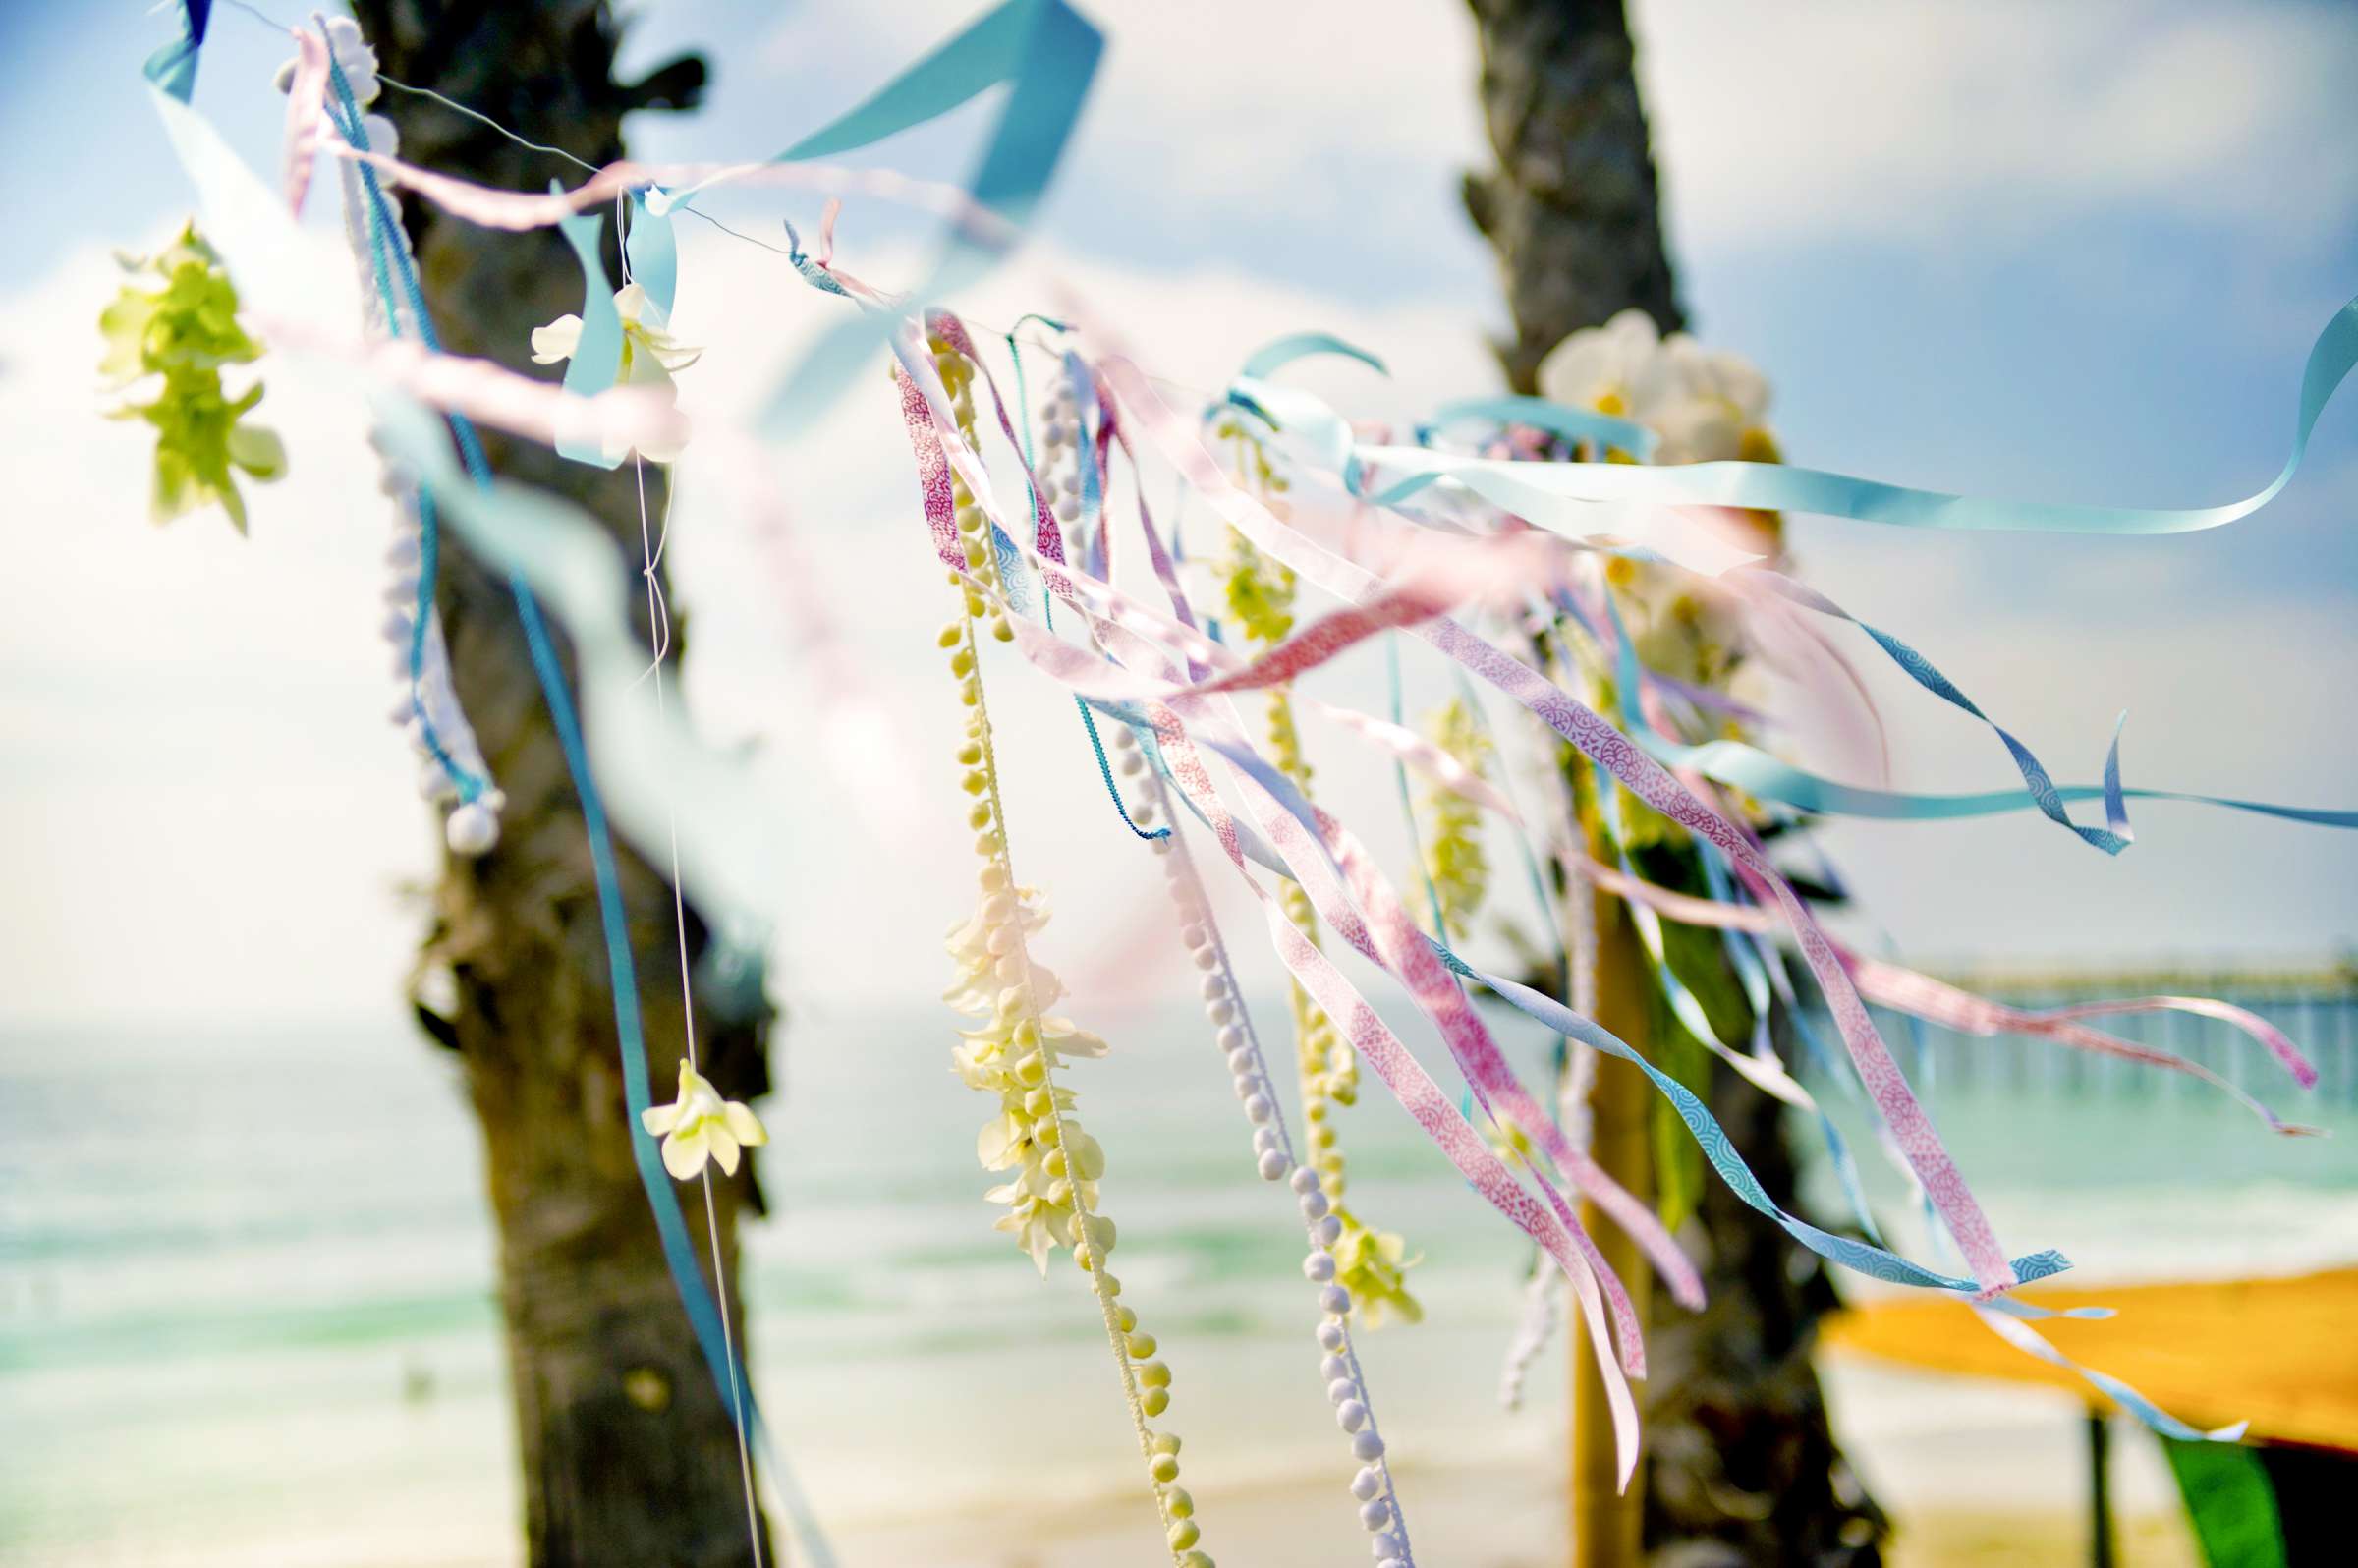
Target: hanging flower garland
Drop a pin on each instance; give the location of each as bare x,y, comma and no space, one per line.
1647,625
1017,1048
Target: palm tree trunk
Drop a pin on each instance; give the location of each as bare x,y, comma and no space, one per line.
1572,209
1741,1466
629,1452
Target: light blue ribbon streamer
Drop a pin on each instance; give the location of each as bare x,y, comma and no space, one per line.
1759,967
1783,488
547,544
813,273
1754,771
653,253
1544,414
1685,1006
1043,48
1088,722
597,354
491,523
1273,356
1688,1008
1047,54
2115,837
173,66
1873,1261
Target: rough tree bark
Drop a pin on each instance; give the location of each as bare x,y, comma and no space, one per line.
629,1453
1741,1464
1573,208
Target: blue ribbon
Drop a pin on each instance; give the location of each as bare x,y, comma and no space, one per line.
2111,839
1047,55
1757,773
1043,48
468,784
1272,357
173,66
1556,419
597,354
813,273
1719,1151
1023,410
1781,487
653,253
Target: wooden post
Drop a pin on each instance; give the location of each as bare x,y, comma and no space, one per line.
2099,1490
1607,1524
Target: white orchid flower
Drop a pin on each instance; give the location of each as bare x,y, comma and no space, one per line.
700,1124
1702,406
649,356
1603,367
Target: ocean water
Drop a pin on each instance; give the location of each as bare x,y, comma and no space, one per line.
246,1308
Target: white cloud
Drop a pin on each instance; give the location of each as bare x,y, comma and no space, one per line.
1773,124
1932,122
210,812
1245,92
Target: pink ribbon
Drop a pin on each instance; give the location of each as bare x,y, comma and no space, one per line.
1943,1184
307,103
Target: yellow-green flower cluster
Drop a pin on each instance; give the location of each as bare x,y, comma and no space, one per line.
1011,1052
1259,593
1453,856
174,325
1016,1047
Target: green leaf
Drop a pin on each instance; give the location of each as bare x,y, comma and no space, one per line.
2230,1502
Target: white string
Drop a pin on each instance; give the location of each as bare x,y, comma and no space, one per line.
659,636
527,142
660,642
455,107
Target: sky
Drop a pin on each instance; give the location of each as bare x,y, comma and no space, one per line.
2068,252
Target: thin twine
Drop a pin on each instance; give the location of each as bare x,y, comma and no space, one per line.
525,141
559,152
253,11
679,914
